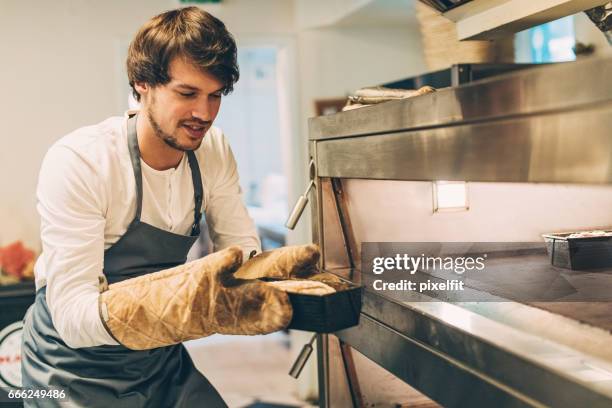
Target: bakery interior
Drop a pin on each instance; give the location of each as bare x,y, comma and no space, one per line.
358,122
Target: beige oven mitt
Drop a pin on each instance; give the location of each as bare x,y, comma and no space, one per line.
191,301
282,263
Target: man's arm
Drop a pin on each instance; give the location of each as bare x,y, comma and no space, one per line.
227,218
70,205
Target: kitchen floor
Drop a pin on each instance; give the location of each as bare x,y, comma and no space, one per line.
248,371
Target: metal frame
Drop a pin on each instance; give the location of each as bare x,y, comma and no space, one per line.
554,88
317,228
441,343
486,20
549,148
528,126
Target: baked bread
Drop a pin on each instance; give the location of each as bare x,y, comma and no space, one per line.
305,287
282,263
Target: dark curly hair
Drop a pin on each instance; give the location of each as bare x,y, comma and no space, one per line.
189,32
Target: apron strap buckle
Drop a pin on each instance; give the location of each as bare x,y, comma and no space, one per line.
195,229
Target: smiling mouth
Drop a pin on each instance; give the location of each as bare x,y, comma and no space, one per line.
195,131
195,127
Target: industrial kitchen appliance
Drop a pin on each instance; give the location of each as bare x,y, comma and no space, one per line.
534,148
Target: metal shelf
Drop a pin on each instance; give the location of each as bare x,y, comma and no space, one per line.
490,19
527,126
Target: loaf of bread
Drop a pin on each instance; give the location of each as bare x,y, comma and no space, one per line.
304,287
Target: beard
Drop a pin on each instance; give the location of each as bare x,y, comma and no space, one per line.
170,139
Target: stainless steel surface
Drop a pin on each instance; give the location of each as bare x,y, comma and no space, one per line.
550,124
490,19
402,211
382,210
302,201
440,343
339,394
316,211
296,212
525,127
449,383
334,246
323,369
547,149
302,358
351,375
298,208
378,387
317,238
538,91
528,126
351,246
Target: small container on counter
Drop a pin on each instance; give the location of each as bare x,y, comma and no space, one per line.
580,250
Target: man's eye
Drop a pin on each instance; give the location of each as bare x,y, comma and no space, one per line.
215,95
187,94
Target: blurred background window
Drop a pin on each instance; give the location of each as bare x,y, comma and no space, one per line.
550,42
250,119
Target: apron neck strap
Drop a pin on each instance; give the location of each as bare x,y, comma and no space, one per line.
193,165
135,158
197,192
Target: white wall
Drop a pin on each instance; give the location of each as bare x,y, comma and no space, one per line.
60,68
247,18
588,33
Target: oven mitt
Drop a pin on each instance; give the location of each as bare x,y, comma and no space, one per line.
191,301
281,263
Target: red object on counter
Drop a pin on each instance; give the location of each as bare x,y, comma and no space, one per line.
14,258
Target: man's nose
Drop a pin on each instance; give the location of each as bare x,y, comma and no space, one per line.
202,112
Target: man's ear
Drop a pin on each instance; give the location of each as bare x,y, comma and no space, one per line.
142,88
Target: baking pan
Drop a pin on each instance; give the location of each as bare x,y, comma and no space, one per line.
326,313
579,253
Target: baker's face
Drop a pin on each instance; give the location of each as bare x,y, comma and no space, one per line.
181,111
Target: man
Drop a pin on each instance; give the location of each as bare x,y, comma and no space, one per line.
120,201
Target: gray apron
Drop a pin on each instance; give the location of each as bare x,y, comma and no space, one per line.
114,376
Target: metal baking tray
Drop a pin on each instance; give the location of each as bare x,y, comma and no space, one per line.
326,313
579,253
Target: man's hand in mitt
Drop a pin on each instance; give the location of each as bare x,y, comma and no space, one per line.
282,263
191,301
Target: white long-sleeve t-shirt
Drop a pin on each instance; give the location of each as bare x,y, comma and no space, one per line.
87,199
